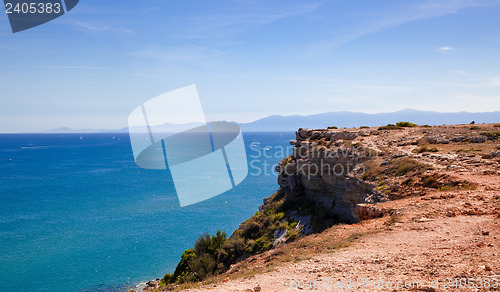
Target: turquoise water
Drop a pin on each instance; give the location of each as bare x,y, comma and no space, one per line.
77,214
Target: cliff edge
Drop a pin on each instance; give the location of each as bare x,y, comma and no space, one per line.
425,202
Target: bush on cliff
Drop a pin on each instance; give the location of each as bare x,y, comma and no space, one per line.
213,255
405,124
199,262
389,127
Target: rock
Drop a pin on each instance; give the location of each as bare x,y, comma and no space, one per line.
303,133
458,139
478,139
315,135
386,162
345,135
492,154
398,155
484,232
257,288
280,236
437,140
368,211
152,285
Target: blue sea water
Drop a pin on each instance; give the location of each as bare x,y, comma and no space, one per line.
77,214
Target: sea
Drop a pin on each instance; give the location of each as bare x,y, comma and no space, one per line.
77,213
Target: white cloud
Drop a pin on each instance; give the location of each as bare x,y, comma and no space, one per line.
444,49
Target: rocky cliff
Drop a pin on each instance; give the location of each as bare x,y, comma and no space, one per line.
346,171
327,168
350,175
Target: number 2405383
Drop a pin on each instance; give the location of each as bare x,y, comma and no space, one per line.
33,8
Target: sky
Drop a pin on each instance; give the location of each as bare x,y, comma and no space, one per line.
249,59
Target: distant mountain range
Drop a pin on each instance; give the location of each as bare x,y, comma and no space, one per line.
346,119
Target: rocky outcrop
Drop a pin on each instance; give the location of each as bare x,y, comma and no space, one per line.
327,169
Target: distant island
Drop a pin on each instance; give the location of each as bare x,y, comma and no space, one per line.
278,123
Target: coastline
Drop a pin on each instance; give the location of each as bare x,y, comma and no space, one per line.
449,174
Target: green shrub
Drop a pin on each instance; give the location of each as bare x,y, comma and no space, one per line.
279,216
467,150
212,255
405,124
332,128
260,245
199,262
496,125
389,127
364,127
475,128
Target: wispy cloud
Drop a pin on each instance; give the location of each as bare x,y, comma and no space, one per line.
444,49
340,86
225,25
101,28
492,82
383,19
91,68
92,27
199,55
460,72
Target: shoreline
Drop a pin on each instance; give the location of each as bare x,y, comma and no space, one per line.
420,170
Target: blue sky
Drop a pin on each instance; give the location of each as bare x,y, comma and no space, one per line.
249,59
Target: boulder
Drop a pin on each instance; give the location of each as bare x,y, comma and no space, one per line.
369,211
478,139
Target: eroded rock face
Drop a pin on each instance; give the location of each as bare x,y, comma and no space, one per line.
327,171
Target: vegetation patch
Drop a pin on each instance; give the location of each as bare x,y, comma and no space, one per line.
396,167
332,128
496,125
467,150
214,255
475,128
440,182
405,124
492,135
425,149
405,165
389,127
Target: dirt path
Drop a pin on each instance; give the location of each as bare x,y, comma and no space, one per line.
440,249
